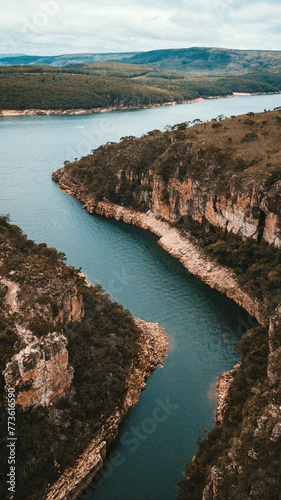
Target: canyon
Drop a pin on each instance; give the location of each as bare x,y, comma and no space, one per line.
240,196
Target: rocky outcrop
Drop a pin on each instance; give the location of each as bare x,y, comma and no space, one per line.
153,343
40,372
252,214
71,307
223,386
181,247
11,296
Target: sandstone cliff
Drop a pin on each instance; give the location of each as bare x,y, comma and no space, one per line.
40,372
178,245
225,173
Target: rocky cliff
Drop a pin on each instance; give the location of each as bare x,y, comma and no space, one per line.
252,214
181,246
225,173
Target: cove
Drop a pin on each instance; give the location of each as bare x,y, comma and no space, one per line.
203,326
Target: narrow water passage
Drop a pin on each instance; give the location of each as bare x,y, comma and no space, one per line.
203,326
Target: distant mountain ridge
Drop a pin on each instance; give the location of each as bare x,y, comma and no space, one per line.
195,60
64,59
2,56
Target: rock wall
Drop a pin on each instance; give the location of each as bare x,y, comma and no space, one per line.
40,372
183,248
253,214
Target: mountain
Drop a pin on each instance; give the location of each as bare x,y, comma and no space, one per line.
11,55
209,60
63,59
194,60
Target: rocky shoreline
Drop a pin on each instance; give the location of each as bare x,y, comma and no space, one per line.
81,111
153,347
182,247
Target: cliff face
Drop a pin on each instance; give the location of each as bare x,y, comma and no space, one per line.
254,214
181,247
226,174
40,371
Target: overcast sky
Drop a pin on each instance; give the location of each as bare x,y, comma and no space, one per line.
47,27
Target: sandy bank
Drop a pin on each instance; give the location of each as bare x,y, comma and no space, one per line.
62,112
48,112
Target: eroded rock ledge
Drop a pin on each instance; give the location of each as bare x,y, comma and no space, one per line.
153,344
191,256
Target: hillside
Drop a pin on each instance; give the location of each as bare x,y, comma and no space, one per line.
202,60
63,59
193,60
115,85
217,185
72,363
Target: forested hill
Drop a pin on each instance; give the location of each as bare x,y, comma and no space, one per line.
114,84
202,60
193,60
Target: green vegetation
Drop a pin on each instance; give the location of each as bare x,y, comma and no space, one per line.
101,349
104,84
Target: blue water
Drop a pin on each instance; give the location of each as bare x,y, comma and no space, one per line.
203,326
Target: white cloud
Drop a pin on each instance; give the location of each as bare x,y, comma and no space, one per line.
57,26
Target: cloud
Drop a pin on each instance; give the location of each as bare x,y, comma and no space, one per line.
60,26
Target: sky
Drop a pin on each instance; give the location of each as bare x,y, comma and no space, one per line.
50,27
